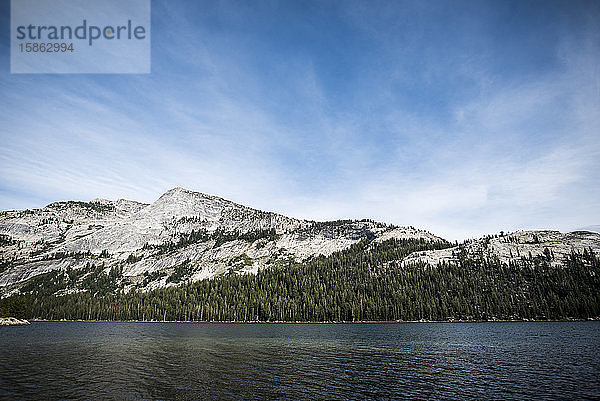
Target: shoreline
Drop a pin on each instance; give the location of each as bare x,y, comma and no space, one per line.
314,322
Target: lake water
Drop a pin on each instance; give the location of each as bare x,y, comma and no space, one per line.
188,361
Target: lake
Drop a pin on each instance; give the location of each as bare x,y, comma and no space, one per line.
188,361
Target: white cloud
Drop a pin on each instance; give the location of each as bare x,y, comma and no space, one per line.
518,154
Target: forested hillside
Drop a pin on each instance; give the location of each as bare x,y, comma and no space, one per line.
366,282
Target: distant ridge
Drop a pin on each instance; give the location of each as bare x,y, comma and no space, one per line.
594,228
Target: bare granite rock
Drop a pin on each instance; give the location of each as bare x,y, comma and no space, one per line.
11,321
512,247
192,236
133,237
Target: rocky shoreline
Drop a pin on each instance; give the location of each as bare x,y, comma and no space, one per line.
11,321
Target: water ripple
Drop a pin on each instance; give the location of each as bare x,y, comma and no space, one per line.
176,361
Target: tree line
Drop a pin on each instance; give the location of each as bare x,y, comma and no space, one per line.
366,282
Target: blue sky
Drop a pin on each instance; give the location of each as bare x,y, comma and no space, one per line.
464,118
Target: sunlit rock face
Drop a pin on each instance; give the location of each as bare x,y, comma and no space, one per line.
11,321
192,236
553,246
210,235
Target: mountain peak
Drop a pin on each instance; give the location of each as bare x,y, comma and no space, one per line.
101,201
179,192
177,189
180,202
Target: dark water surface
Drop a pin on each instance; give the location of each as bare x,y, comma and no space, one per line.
187,361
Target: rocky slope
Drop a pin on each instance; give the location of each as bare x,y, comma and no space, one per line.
183,235
186,235
553,246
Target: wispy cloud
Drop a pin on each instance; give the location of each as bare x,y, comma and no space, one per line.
328,112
